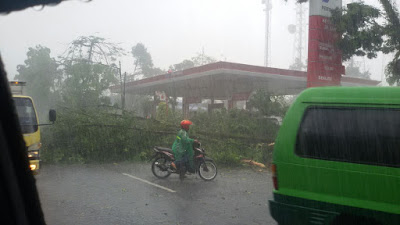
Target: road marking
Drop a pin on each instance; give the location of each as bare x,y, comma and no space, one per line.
148,182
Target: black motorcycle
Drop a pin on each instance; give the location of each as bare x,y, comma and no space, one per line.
203,165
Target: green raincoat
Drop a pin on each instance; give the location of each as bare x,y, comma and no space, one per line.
183,145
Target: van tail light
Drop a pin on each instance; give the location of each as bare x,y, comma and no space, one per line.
274,176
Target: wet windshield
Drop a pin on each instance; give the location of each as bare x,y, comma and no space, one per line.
210,112
26,115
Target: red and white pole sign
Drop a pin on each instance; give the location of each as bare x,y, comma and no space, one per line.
324,59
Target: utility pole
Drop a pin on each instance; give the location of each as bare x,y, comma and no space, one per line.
123,93
122,84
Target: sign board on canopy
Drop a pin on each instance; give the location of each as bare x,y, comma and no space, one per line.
161,95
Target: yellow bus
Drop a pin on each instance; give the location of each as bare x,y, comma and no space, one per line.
29,123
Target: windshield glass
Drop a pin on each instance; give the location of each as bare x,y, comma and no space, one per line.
26,115
209,111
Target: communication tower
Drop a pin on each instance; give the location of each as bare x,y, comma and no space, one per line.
267,50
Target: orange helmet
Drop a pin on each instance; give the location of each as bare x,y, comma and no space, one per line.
185,124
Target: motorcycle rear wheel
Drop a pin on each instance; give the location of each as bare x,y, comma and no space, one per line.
160,166
207,170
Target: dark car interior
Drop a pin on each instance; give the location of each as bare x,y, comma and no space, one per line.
19,198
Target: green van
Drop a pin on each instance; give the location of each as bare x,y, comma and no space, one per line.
337,158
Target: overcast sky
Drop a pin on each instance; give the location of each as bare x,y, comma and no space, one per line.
172,30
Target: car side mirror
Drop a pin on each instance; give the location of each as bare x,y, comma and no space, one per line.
52,115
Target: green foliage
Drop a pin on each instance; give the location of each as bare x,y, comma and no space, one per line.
185,64
354,71
267,104
162,111
85,83
393,70
98,135
198,60
143,62
362,34
142,57
202,59
298,65
392,28
92,49
101,135
40,71
89,130
140,105
87,71
227,157
233,135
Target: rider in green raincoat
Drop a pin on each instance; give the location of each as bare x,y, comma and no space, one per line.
183,146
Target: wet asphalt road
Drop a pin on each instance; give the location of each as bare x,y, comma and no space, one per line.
102,194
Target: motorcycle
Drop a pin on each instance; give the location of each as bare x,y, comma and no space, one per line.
203,165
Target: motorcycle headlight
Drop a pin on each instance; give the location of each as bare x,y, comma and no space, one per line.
33,154
35,146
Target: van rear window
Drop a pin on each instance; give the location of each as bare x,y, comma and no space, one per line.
357,135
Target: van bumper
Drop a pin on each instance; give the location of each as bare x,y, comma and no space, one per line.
288,210
286,214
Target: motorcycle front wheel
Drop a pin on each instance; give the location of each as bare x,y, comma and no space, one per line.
207,170
160,166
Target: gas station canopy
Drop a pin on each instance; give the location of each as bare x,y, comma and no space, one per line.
227,81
